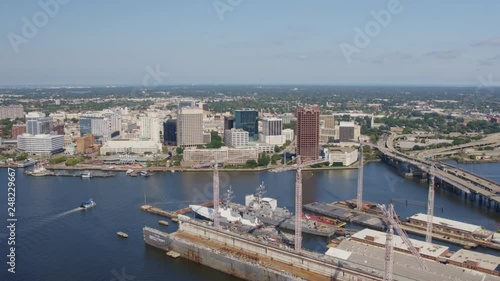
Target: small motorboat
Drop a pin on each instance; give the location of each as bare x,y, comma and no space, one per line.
87,204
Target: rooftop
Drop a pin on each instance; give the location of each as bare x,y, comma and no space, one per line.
448,223
378,237
405,265
485,261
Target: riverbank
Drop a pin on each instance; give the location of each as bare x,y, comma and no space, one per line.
181,169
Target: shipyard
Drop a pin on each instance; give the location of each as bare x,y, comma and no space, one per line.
231,238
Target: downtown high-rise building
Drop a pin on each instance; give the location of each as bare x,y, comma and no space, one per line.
170,132
272,131
190,126
307,132
248,120
37,123
228,122
150,127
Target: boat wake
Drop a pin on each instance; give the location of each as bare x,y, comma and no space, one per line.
67,212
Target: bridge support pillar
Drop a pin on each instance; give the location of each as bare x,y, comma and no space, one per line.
472,197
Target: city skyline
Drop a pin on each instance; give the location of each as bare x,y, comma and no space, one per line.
410,43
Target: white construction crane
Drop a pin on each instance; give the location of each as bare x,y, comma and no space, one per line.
389,254
298,195
430,206
359,204
391,219
215,166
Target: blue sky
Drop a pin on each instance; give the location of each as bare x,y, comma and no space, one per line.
259,42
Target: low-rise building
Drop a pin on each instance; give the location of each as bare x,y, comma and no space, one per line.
40,144
452,227
477,261
130,146
377,238
18,130
224,155
85,144
345,155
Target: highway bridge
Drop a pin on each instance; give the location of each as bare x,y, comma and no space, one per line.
474,186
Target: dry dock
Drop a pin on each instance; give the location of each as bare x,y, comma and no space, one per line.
249,258
254,258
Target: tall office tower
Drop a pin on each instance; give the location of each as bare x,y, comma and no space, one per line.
272,126
115,119
307,132
189,126
247,119
37,123
11,111
86,124
228,122
170,132
150,127
272,131
96,125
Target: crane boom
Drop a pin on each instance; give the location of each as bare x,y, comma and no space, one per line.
298,166
389,255
430,207
360,178
391,218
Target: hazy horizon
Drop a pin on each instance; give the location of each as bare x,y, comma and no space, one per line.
383,42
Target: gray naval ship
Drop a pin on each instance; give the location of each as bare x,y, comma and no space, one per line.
265,209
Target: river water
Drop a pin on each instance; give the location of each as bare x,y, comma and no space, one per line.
56,241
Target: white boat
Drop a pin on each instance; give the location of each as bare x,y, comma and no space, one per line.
144,173
86,175
129,171
87,204
230,215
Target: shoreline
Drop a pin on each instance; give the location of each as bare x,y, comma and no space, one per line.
118,168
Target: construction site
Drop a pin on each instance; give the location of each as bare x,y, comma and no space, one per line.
365,255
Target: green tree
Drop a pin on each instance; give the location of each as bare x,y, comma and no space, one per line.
215,140
251,164
179,150
275,158
276,148
263,160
